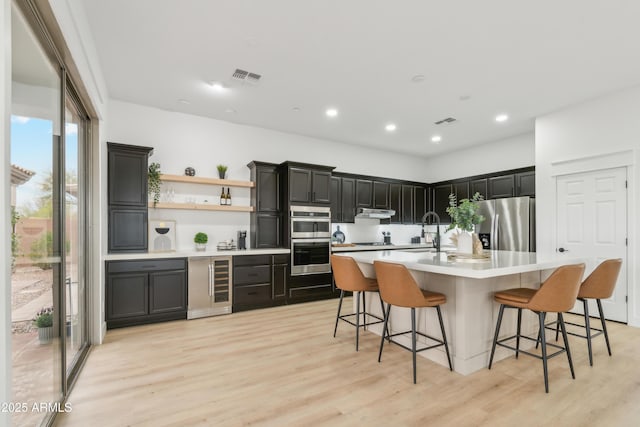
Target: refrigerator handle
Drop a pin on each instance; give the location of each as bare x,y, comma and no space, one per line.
496,238
210,280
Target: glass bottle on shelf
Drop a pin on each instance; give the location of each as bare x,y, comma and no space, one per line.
228,197
223,198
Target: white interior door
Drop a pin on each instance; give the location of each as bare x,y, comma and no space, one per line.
592,223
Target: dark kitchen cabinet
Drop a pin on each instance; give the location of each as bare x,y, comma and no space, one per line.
364,193
526,184
127,172
395,202
336,199
461,190
441,201
145,291
259,281
408,199
266,231
348,199
309,186
266,219
420,203
380,195
479,186
501,186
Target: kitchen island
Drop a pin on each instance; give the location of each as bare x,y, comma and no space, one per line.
470,313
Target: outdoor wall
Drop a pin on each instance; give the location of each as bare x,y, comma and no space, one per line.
599,134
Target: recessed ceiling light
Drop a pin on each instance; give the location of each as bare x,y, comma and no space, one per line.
390,127
331,112
502,118
183,101
217,86
418,78
436,139
296,109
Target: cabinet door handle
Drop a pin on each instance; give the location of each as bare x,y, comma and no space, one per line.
211,280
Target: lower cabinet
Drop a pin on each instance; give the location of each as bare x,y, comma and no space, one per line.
139,292
310,287
259,281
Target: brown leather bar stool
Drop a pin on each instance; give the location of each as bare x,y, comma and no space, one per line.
556,295
349,277
599,285
398,287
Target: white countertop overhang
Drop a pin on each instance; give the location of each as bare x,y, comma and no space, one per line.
501,263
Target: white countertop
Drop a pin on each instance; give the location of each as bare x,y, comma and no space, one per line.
384,247
194,253
501,263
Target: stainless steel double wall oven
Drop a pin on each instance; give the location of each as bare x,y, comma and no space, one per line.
310,240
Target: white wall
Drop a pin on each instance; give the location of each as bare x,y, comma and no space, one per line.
599,134
182,140
511,153
5,231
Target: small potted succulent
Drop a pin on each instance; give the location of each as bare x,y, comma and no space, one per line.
44,322
201,240
222,170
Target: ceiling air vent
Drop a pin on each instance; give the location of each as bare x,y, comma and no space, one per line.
246,77
446,121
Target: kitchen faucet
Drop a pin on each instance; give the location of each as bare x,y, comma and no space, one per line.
437,240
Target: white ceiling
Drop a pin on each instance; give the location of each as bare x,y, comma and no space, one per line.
525,59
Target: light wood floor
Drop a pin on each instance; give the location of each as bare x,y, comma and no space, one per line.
282,367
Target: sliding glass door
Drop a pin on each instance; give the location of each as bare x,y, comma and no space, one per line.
49,157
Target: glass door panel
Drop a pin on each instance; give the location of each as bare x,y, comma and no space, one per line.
35,202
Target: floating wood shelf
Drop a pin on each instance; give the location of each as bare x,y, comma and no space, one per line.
201,207
209,181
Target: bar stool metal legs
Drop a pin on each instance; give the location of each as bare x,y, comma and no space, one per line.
358,295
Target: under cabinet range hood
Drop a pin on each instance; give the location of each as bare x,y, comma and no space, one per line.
375,213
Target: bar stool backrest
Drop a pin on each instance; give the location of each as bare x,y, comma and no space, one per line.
559,292
348,275
602,281
397,285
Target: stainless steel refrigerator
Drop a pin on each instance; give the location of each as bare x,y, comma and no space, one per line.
509,224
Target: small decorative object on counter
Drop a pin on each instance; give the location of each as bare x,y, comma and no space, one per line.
242,239
339,236
222,170
153,182
226,245
386,237
44,321
201,240
190,171
464,217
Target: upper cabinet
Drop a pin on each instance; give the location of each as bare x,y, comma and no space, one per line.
420,203
364,193
501,186
348,199
266,220
478,186
336,199
441,200
380,195
407,213
395,202
308,184
526,184
127,172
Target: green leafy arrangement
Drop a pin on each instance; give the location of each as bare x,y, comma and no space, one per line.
222,169
464,215
201,238
154,182
44,317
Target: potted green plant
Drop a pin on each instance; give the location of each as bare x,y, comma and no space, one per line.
154,182
222,170
44,322
201,240
465,216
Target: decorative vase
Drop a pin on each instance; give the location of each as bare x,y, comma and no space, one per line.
221,174
201,247
465,243
45,335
